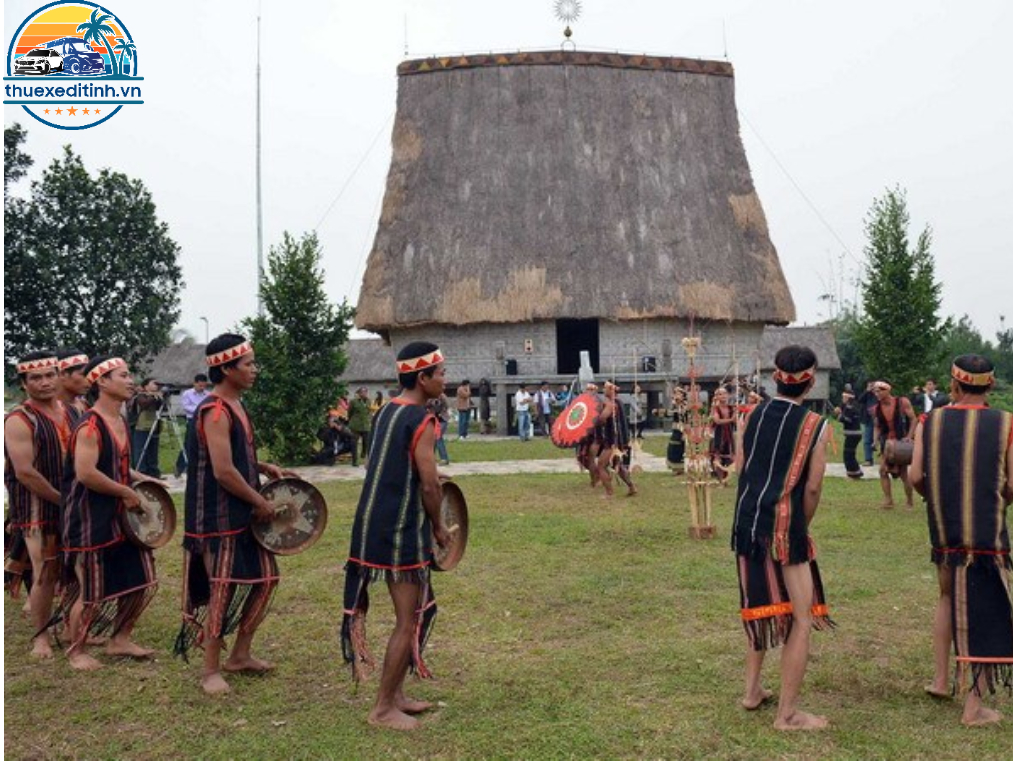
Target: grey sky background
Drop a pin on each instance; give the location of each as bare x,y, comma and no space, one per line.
840,101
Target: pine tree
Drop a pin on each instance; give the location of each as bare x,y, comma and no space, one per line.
299,341
900,331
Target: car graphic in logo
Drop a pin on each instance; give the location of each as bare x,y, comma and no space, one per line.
39,61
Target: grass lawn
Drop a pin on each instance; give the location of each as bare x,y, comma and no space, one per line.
574,628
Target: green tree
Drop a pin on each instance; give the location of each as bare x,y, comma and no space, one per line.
845,328
300,342
127,50
1004,351
89,265
95,30
16,162
900,331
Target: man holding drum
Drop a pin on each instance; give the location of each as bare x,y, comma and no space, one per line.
228,578
398,517
895,421
109,581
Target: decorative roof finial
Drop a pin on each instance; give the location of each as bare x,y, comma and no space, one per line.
567,11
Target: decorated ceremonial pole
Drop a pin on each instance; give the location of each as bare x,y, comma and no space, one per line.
697,434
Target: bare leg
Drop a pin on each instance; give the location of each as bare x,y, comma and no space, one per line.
908,491
78,654
40,598
755,694
604,473
240,659
386,712
884,482
975,712
211,680
121,643
799,581
942,635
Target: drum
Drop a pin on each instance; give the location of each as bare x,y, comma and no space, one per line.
454,512
899,453
153,524
300,516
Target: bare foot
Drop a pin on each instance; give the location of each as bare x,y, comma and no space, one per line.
800,720
93,641
981,717
41,649
128,648
753,702
409,705
941,693
632,492
887,505
249,664
82,661
393,719
214,684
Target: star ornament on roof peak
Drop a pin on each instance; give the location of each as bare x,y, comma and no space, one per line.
567,11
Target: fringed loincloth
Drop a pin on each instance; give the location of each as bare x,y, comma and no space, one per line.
354,647
982,616
766,607
235,595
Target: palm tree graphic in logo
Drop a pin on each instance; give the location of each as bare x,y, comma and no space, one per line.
127,49
95,30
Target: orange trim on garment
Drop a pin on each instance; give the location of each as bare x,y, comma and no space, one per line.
96,547
767,611
430,418
972,552
423,564
217,533
971,659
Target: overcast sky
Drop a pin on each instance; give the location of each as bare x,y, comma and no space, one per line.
837,102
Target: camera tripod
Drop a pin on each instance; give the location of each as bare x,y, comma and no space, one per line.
162,413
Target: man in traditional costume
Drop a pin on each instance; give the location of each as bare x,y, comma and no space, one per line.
963,466
612,435
850,415
781,464
73,382
722,418
895,421
228,578
36,435
397,519
108,580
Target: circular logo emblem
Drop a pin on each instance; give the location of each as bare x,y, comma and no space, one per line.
577,415
72,65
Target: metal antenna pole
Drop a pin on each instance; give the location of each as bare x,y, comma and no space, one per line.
260,205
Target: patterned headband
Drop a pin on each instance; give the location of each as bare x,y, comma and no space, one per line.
31,365
68,362
972,379
105,367
782,376
224,357
405,366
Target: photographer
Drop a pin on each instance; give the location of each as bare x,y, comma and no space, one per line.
143,410
337,440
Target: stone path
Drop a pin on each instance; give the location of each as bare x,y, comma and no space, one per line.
344,472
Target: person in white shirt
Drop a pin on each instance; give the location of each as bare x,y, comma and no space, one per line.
188,402
522,406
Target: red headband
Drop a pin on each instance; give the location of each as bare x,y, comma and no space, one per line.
105,367
405,366
68,362
972,379
781,376
31,365
224,357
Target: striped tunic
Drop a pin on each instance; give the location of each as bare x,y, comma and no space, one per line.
769,507
392,531
50,438
211,510
90,518
964,461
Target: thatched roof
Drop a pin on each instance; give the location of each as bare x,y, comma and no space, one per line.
820,340
177,363
545,185
370,360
